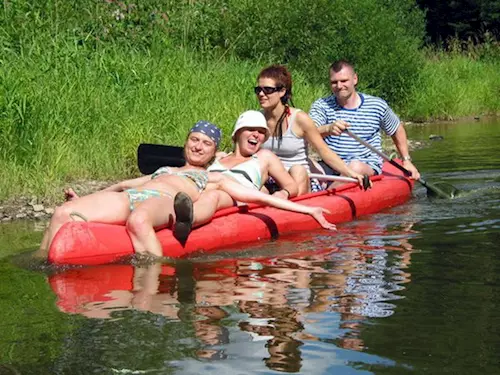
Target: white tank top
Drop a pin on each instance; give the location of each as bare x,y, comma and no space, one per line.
292,149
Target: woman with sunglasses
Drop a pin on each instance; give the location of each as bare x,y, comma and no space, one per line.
291,131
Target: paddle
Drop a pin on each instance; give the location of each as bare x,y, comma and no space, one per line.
432,190
366,179
150,157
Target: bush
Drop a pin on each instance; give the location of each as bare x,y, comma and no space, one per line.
382,37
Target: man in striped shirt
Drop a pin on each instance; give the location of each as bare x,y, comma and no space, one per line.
365,115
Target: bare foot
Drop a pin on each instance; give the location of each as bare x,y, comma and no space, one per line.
69,195
318,214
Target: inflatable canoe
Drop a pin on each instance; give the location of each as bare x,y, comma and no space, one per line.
86,243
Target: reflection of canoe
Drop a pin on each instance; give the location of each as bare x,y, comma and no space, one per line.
95,243
99,290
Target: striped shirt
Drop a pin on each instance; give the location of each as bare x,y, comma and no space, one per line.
365,121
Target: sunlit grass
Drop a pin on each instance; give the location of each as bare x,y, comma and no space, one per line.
72,114
454,85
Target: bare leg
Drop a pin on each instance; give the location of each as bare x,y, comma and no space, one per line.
208,203
152,213
361,168
299,174
103,207
358,167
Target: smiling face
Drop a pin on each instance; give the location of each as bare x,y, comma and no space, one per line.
269,100
199,149
343,83
248,140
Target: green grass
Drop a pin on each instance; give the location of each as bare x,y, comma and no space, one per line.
71,114
454,85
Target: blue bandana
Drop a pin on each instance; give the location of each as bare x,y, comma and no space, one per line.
208,129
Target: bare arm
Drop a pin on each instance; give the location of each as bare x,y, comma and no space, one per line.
312,135
248,195
401,142
128,184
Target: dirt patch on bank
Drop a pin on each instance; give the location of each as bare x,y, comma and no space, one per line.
41,208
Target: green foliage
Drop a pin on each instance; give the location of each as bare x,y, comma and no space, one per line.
84,82
456,83
381,37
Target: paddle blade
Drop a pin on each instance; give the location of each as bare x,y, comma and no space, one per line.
150,157
440,190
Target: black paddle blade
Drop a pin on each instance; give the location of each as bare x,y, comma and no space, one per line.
150,157
441,190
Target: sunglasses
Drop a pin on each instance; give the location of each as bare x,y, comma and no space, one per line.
266,89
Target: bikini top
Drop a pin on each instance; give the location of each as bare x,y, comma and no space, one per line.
247,173
199,177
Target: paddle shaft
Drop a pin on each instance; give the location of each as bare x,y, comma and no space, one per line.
397,165
332,178
150,157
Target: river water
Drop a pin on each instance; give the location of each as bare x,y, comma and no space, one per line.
412,290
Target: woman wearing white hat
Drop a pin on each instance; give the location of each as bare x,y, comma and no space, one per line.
248,164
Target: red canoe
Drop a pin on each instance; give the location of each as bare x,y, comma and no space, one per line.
82,243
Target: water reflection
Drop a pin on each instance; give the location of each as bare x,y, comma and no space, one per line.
270,307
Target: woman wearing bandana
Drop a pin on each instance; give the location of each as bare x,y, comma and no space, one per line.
164,199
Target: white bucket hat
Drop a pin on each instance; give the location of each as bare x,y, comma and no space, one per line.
251,119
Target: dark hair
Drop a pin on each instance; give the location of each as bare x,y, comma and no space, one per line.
338,65
283,78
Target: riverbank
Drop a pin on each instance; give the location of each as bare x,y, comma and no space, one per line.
33,207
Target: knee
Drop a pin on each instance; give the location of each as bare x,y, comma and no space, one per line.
301,177
139,223
62,213
361,168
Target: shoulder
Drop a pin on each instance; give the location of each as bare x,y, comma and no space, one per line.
374,101
325,102
264,154
303,119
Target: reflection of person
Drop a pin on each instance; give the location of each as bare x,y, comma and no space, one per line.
292,130
364,115
277,323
